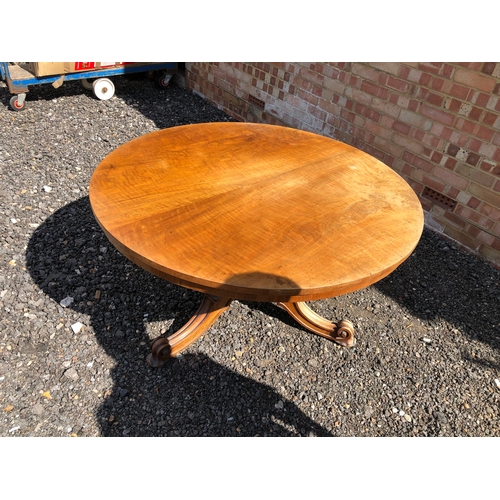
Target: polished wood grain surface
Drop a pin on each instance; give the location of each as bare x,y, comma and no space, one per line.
255,212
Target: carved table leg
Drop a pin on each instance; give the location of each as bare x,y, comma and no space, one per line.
208,312
342,333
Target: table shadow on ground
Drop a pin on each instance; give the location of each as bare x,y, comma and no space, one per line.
442,281
69,256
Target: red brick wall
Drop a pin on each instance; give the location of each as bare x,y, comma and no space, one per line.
437,124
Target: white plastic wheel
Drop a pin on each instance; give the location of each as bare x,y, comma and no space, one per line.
104,88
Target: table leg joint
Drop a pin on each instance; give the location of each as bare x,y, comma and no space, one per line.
167,347
342,332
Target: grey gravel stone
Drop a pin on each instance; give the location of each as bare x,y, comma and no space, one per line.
72,374
255,372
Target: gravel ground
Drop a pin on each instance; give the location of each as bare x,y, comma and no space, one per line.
77,318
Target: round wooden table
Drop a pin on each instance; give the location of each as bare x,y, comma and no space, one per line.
254,212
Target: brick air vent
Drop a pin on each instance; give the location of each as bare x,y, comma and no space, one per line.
257,102
439,199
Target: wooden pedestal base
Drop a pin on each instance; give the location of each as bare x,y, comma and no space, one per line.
212,307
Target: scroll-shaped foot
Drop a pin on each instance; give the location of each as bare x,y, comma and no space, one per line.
165,348
342,333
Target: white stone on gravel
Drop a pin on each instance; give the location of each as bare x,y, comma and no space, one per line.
67,301
76,327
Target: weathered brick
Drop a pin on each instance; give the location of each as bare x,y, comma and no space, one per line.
492,103
475,175
414,75
467,126
459,91
491,119
496,245
418,135
474,79
316,112
485,194
432,141
386,121
437,84
475,113
439,130
491,253
437,114
397,84
459,139
374,89
369,113
329,107
334,85
451,192
386,107
403,71
358,96
473,159
435,68
422,164
347,115
425,79
455,220
432,182
387,146
473,216
480,99
452,150
436,157
488,68
490,151
450,177
407,143
401,127
434,99
365,71
486,238
461,237
473,203
415,120
414,105
388,67
487,166
307,96
476,66
378,130
484,133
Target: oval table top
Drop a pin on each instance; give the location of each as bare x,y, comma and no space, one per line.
255,212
